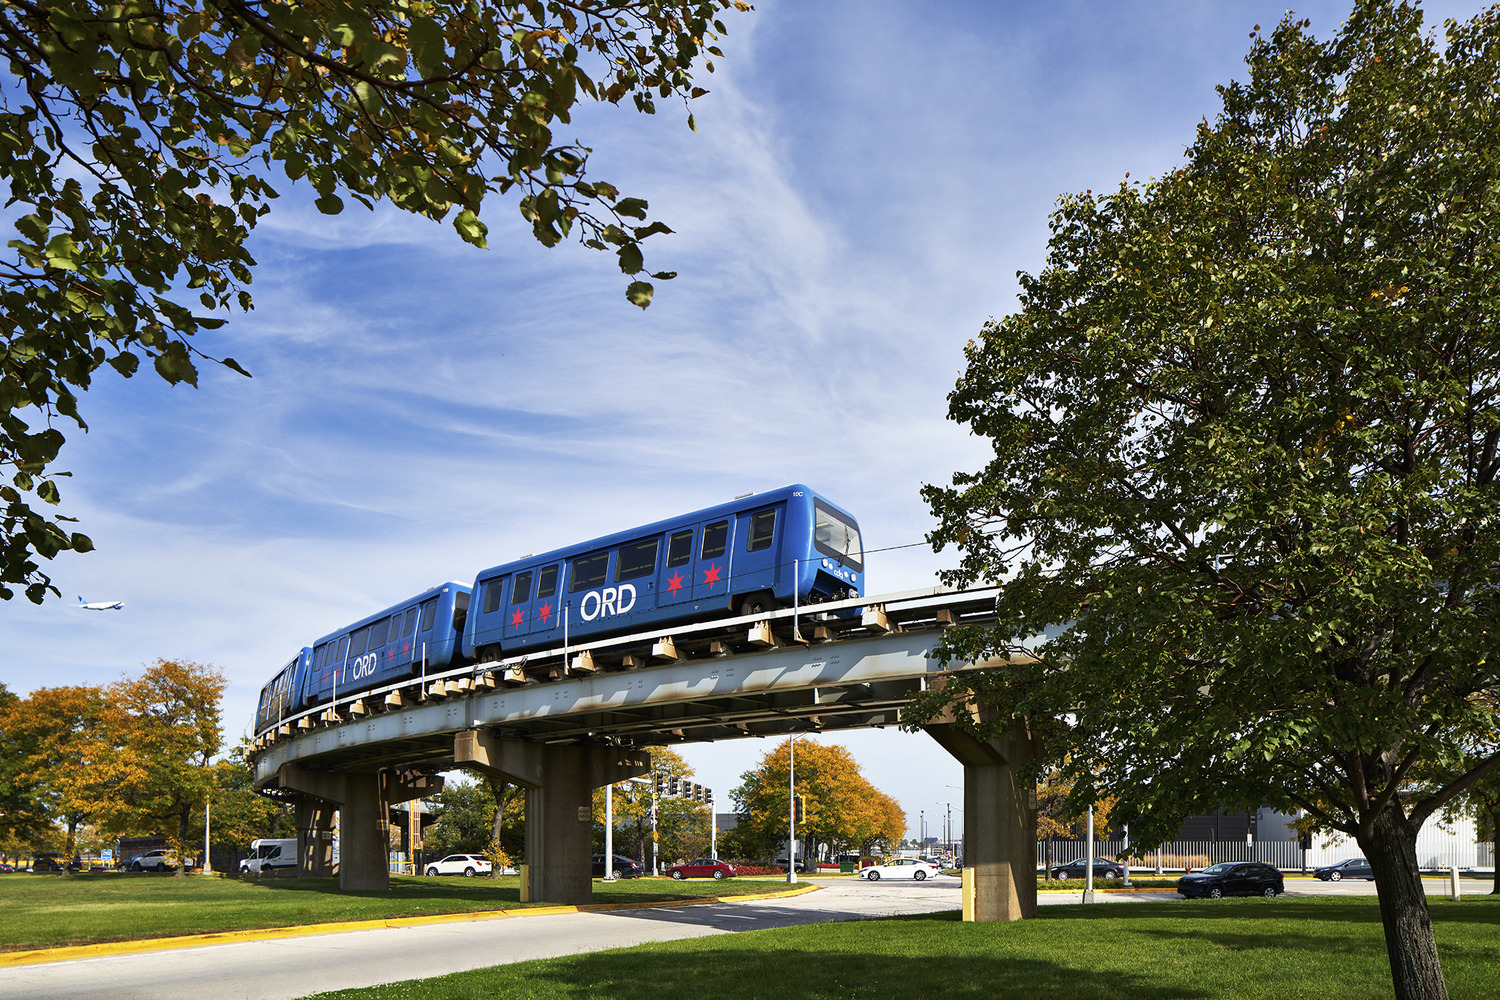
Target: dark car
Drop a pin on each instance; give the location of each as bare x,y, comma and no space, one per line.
702,868
802,864
52,861
1352,868
1103,868
1232,878
622,868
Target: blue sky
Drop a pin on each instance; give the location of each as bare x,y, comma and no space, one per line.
866,180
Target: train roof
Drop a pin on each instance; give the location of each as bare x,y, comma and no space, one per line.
398,606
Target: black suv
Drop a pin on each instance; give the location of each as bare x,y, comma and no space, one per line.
623,867
53,861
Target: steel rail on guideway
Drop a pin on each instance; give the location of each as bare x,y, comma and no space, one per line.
787,671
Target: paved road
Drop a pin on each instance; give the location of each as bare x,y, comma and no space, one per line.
294,967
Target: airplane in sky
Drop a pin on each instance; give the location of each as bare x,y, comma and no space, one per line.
100,605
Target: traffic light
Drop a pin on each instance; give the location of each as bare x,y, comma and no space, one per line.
798,808
708,796
674,785
661,784
697,792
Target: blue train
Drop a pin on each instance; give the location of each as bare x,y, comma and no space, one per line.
750,555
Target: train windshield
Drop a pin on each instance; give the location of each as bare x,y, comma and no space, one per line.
837,536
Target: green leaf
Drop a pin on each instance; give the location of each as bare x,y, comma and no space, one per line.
639,293
62,253
330,204
470,228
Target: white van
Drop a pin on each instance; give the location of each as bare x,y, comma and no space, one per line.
271,857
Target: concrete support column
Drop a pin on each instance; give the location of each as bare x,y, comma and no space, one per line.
363,802
364,835
999,823
559,782
314,836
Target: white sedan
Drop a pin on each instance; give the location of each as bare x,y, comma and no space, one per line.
913,868
460,864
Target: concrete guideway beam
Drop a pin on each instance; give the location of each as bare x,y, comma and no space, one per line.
559,782
999,822
363,802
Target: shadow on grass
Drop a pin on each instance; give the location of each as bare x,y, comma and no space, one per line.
727,973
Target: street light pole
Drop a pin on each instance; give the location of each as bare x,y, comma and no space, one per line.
609,833
791,810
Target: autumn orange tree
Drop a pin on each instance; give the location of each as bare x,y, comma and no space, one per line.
165,769
61,745
841,808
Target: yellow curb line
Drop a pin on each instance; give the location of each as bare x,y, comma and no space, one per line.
267,933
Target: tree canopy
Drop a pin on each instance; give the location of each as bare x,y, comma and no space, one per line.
139,141
840,806
1244,428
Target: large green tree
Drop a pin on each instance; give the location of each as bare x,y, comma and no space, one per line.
139,141
1244,430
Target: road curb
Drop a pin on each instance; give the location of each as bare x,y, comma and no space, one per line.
41,955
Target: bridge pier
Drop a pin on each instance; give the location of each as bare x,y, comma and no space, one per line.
999,822
559,782
314,836
364,800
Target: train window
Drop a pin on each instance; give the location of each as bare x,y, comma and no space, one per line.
546,581
636,560
429,613
715,536
588,571
521,592
394,632
320,657
410,625
762,529
358,639
834,535
343,652
680,549
492,591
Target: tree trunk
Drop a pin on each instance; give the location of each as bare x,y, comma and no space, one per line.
1050,839
497,789
1391,847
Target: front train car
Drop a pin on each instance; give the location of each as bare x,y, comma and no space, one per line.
750,555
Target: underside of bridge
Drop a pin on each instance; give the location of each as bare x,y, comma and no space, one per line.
560,725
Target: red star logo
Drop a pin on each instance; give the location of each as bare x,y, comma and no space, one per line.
711,575
675,583
545,611
517,618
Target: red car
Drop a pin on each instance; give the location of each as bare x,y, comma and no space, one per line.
702,868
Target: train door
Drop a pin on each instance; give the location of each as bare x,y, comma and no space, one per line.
677,570
542,612
756,562
712,567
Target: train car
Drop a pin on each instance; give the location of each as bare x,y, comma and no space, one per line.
276,697
421,634
750,555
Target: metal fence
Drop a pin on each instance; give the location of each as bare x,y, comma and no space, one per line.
1435,852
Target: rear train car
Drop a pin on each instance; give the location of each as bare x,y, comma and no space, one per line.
422,634
276,697
750,555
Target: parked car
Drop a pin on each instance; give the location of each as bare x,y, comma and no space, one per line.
1232,878
802,864
467,865
1350,868
53,861
159,860
1103,868
623,867
6,866
913,868
702,868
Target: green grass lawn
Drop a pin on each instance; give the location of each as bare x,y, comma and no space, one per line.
1268,949
49,911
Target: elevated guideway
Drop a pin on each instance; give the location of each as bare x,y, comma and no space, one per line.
563,721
